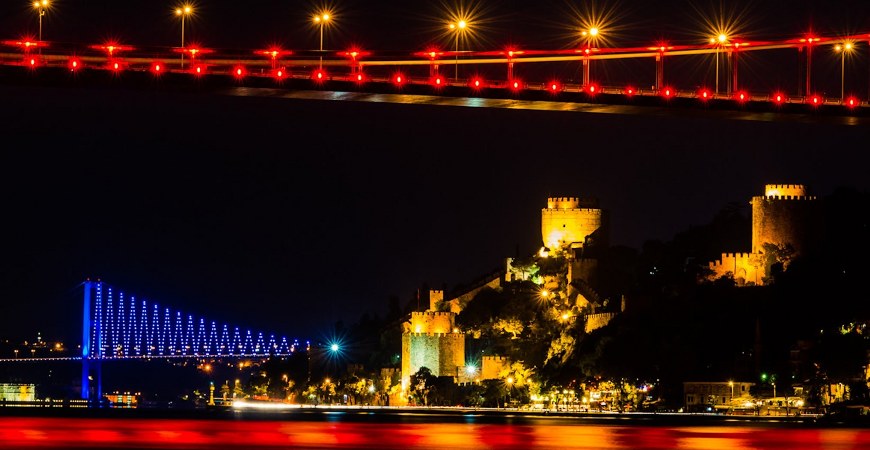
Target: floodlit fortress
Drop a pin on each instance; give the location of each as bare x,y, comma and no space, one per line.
571,228
786,223
569,221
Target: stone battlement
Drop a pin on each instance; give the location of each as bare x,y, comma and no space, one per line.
732,256
438,335
787,197
744,267
596,321
785,190
431,314
494,358
571,203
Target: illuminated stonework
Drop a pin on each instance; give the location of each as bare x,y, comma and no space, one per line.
430,339
492,367
569,221
785,218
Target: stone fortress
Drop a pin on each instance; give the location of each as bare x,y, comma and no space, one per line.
786,221
431,338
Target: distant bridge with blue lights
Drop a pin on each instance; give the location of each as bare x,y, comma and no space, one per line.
118,327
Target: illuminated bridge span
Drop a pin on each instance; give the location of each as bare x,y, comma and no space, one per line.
361,67
116,326
119,327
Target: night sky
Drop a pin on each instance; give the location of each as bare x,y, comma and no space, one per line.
288,215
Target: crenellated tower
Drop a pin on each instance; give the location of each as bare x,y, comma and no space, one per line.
431,339
569,221
784,217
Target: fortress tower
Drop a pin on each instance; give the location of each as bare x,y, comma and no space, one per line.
786,217
430,339
569,221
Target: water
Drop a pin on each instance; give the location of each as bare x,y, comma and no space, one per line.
402,430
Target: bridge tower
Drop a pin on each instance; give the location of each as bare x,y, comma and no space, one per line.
90,335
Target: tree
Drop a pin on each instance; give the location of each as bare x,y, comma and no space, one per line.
421,383
509,325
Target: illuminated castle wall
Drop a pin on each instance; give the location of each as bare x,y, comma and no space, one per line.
784,216
745,267
430,339
493,366
569,221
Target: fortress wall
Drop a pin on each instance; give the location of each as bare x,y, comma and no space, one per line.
745,268
785,220
596,321
492,366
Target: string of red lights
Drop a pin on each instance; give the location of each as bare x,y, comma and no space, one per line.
283,64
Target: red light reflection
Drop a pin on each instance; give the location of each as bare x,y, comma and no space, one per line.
19,433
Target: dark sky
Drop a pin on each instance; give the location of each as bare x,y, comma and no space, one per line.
402,25
286,215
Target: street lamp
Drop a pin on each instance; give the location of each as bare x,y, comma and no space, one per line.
40,6
457,27
183,12
718,41
322,19
731,383
843,49
590,35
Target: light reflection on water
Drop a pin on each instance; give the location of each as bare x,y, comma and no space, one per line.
21,433
547,105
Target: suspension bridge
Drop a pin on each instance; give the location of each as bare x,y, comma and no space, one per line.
119,327
358,68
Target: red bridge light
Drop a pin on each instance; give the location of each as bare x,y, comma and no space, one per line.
360,78
704,94
157,68
815,100
319,75
280,74
778,98
593,89
399,80
74,64
668,92
554,87
239,72
198,70
476,83
516,85
630,91
438,81
742,97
